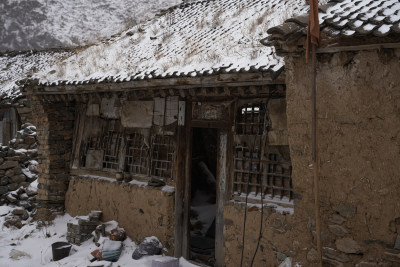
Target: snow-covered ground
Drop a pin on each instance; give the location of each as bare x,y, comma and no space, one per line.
35,24
36,242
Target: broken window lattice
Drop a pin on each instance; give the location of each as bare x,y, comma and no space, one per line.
136,156
250,119
162,156
111,144
272,176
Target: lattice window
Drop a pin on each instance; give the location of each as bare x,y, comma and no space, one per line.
246,167
274,178
111,143
278,177
162,156
136,156
93,143
250,119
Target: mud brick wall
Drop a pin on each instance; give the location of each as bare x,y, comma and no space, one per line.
55,123
359,140
276,243
142,211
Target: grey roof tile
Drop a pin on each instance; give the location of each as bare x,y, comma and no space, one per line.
194,39
353,18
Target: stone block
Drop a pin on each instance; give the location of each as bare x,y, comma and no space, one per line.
8,165
346,210
3,180
11,198
18,211
397,243
312,255
3,190
13,186
336,218
10,173
348,245
18,178
335,255
337,230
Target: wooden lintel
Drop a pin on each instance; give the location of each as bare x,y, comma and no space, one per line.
220,80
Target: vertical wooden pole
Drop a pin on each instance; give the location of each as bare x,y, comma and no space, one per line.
188,186
221,193
315,155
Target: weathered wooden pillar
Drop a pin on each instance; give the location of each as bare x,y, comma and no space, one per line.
55,123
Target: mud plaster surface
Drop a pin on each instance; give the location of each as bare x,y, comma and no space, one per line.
359,143
142,211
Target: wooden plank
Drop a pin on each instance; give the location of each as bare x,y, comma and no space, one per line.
187,196
78,134
121,154
221,196
180,180
230,154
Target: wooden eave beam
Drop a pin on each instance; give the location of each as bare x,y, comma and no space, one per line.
220,80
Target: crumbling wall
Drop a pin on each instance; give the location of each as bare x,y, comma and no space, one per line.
359,127
141,210
276,243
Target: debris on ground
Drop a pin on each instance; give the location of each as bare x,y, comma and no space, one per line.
149,246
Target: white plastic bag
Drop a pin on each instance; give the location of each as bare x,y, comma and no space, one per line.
16,254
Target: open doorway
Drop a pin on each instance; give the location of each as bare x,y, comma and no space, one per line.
203,195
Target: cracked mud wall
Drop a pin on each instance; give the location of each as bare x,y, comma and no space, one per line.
359,148
141,211
277,236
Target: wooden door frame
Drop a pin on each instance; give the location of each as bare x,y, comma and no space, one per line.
183,185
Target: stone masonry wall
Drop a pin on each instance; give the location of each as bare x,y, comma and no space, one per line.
55,123
18,169
359,141
141,210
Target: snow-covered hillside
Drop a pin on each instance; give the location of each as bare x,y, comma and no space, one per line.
38,24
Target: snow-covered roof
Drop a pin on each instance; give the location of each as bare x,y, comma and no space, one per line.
15,66
344,18
192,39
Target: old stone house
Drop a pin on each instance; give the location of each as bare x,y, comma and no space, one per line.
191,100
358,125
186,126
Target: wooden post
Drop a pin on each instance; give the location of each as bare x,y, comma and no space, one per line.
221,193
315,155
180,185
187,177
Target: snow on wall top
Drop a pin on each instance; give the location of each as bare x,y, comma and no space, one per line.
17,66
345,18
187,40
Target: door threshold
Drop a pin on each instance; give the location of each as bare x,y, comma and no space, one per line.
197,263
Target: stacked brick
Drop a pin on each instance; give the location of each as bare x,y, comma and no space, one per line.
55,123
78,233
